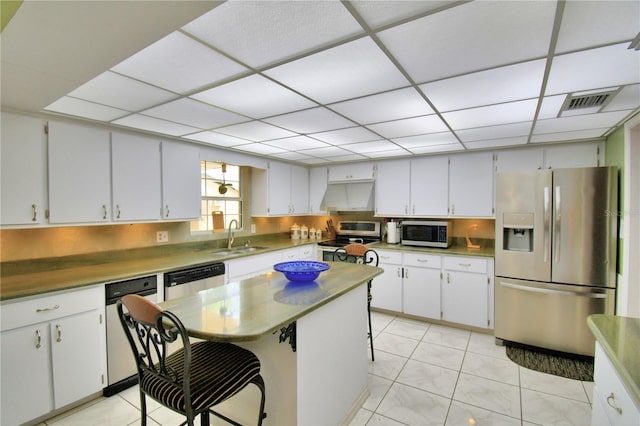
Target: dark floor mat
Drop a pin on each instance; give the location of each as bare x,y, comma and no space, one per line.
578,368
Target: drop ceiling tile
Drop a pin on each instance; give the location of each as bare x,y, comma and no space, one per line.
121,92
495,132
569,136
410,126
312,120
550,107
180,64
348,157
255,96
596,23
511,112
387,106
326,152
369,147
216,139
591,69
389,154
349,135
628,98
255,131
498,85
433,149
156,125
347,71
579,122
418,141
296,143
261,33
82,108
495,143
471,37
293,156
259,148
311,161
379,13
194,113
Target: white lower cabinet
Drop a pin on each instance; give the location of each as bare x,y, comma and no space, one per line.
53,352
421,285
386,289
251,266
466,290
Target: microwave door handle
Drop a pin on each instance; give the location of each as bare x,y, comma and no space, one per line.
546,223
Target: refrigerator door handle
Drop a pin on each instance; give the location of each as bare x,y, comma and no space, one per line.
557,225
550,291
547,223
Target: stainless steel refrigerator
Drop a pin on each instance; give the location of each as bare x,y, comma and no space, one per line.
556,251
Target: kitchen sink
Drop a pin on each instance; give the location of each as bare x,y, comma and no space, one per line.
239,249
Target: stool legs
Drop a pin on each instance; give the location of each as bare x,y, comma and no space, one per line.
369,315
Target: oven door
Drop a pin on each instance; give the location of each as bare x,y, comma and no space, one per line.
325,254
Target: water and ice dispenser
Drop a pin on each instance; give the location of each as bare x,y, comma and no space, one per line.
518,231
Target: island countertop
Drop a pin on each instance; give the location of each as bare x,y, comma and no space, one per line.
248,309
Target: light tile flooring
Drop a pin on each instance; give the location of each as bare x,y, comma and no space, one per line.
424,374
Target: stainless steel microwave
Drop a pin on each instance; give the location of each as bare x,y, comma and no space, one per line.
426,233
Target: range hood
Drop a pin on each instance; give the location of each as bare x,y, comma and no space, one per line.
349,196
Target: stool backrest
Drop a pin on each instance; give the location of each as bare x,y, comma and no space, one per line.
356,253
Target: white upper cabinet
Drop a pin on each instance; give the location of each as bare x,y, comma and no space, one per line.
471,185
136,178
393,188
574,155
299,190
281,189
317,188
429,186
519,160
23,155
79,174
351,172
180,181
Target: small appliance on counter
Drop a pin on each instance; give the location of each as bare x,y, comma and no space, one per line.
347,232
426,233
393,232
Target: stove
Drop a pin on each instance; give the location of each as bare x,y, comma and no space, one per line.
347,232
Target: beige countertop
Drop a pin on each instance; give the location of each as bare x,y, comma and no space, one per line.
458,248
245,310
620,339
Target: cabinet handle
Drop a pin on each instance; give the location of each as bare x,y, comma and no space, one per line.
166,210
453,209
104,211
611,400
406,209
406,272
34,211
413,211
118,211
384,257
58,333
399,276
423,260
38,339
448,278
464,265
53,308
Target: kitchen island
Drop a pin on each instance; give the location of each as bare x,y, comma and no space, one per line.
311,339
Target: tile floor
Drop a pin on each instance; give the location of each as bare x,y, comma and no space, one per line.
424,374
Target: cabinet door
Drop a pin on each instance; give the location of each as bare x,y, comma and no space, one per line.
464,298
421,288
519,160
349,172
392,188
429,186
317,188
136,178
471,185
573,155
279,191
79,174
299,179
180,181
386,289
23,147
26,374
76,357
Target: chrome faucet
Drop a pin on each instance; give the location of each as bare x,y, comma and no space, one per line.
230,234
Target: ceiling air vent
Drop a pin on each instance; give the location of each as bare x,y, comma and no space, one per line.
580,103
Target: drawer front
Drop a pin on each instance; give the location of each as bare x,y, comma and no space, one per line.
423,260
616,401
466,264
308,252
389,256
51,306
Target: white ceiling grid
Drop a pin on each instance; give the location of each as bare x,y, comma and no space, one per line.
317,82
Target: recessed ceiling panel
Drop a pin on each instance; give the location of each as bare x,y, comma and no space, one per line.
512,112
495,132
344,136
180,64
255,96
297,143
494,86
216,139
312,120
350,70
472,37
409,127
194,113
255,131
82,108
597,68
596,23
156,125
260,33
569,136
386,106
379,13
579,122
121,92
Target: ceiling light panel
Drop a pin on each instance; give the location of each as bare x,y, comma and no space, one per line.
628,98
297,143
379,13
579,122
434,149
194,113
180,64
384,106
369,147
495,143
255,131
494,86
259,148
348,71
399,152
569,136
326,152
219,139
261,33
596,68
255,96
348,157
412,142
458,40
512,112
156,125
495,132
595,23
121,92
292,156
312,120
345,136
82,108
409,127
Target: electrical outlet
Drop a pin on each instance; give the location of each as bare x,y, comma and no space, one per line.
162,236
253,228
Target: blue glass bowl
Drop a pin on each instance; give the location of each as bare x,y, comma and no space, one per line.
301,270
